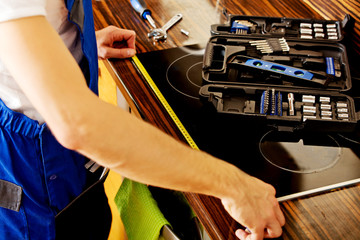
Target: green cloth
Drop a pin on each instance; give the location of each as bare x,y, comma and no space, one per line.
139,211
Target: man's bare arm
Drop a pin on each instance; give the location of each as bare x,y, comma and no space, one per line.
47,73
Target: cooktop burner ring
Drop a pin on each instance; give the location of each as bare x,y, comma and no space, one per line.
189,67
282,151
349,137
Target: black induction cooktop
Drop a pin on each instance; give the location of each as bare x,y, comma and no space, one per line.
296,164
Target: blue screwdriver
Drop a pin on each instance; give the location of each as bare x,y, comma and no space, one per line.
140,7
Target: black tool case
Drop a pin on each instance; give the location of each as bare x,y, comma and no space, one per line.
292,74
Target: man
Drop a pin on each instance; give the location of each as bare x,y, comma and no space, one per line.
45,94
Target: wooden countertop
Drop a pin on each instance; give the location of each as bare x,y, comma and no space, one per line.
331,215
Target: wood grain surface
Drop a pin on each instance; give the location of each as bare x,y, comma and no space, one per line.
331,215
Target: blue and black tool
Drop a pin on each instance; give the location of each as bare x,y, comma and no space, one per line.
280,69
239,28
140,7
271,69
271,102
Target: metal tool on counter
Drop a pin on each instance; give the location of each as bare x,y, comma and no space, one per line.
140,7
186,33
160,33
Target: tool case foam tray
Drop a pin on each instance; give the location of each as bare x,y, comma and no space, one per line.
290,73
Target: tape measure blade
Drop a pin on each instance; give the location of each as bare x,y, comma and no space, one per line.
165,103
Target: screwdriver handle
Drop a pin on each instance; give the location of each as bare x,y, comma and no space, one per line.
140,7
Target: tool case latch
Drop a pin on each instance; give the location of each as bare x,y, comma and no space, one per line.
358,117
285,129
347,23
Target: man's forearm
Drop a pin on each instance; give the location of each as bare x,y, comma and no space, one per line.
140,151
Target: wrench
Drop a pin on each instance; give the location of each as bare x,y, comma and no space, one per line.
160,33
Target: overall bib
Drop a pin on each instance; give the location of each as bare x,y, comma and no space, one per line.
39,177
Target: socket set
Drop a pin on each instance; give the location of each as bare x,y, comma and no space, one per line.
319,31
286,81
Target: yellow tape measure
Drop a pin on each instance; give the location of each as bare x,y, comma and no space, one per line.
163,101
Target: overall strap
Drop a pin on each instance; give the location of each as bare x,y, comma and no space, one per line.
81,14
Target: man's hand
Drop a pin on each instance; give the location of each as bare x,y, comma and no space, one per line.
113,42
255,207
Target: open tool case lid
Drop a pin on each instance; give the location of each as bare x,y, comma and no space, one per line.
291,73
291,28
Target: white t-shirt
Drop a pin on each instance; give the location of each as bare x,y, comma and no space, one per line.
56,13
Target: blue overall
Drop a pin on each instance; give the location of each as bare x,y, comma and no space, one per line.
39,177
